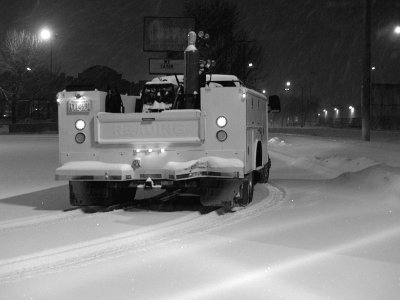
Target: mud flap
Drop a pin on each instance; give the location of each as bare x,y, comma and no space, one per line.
219,192
245,195
263,174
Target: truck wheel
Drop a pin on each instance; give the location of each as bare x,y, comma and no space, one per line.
246,190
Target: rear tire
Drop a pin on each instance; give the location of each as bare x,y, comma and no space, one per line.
246,190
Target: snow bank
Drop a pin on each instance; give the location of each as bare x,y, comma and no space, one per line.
277,141
381,179
344,164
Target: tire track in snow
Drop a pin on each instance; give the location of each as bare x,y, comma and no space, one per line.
83,253
39,220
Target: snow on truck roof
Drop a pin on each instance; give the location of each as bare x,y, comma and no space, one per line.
213,78
216,80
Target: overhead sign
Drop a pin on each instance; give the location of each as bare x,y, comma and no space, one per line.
166,34
166,66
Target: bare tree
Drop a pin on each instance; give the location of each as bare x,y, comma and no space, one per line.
230,46
19,54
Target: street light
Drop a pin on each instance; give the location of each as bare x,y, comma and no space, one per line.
336,112
47,35
287,88
397,29
351,108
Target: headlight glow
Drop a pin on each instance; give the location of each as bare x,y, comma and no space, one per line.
221,121
80,124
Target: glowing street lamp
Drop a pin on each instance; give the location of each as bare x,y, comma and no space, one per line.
287,88
47,35
336,112
250,64
397,30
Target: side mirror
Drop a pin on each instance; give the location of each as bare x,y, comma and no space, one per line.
274,104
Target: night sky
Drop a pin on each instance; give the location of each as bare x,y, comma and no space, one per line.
316,44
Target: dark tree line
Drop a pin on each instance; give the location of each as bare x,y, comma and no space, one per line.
24,77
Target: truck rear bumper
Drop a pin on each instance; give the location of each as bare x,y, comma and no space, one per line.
212,167
94,171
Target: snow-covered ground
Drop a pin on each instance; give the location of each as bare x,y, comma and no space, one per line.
327,226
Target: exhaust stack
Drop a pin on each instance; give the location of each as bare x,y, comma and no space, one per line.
191,76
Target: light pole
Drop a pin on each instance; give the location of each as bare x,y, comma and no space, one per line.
244,58
47,35
366,82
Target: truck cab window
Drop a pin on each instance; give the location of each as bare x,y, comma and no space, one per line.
156,98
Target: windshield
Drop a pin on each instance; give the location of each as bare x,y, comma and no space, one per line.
157,97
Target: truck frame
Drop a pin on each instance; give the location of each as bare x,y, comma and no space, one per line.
216,150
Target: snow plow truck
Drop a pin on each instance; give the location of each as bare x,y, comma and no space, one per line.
203,135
